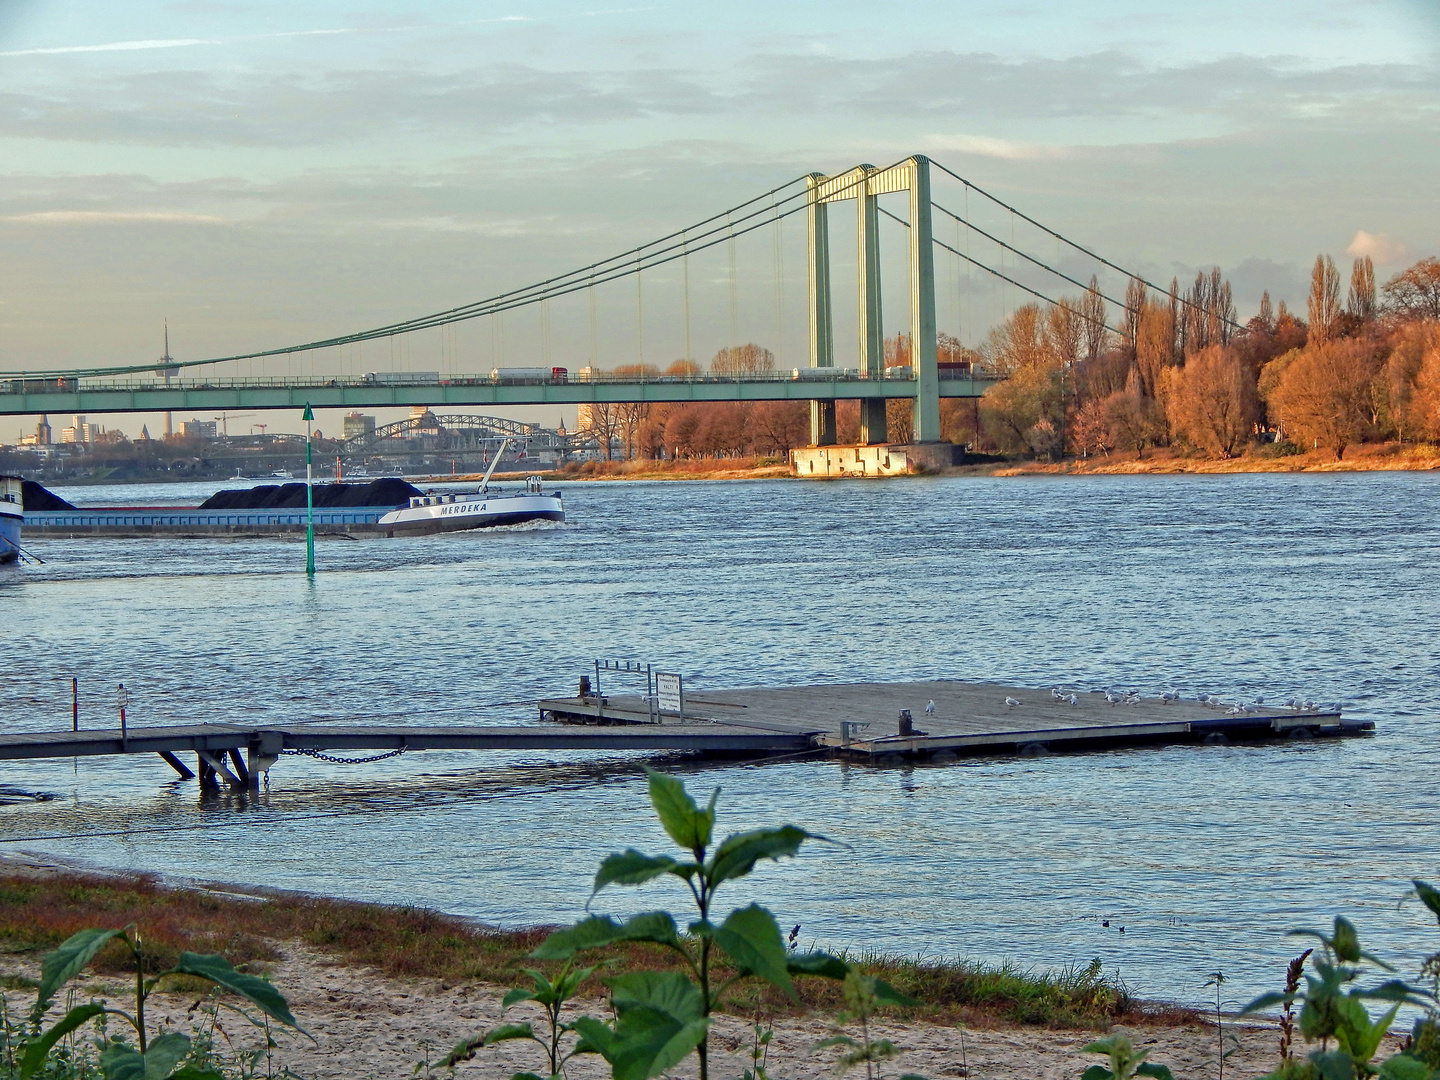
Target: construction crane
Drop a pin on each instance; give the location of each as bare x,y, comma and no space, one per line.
225,418
262,428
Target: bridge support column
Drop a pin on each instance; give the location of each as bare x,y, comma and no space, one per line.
926,416
872,330
822,333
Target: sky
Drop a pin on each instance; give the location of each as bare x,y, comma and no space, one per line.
263,173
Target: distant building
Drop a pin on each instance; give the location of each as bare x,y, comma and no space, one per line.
357,426
42,436
199,429
81,431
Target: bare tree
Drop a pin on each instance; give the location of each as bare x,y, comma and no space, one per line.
777,427
1361,301
1135,296
750,359
1415,293
1094,336
1324,305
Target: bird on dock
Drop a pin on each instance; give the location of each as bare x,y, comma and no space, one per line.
929,708
1169,697
1073,700
1056,694
1012,702
1113,698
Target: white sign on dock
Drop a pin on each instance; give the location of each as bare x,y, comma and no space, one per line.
669,694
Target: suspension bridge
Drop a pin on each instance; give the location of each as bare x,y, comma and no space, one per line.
823,373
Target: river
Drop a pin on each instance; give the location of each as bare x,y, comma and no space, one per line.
1325,585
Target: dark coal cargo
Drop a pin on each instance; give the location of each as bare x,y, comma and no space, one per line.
37,499
385,492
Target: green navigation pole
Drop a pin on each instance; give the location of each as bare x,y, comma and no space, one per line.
309,497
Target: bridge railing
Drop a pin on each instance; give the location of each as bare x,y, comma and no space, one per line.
32,385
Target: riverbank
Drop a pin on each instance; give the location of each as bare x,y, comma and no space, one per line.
382,988
1380,457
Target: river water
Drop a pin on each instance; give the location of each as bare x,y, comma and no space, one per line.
1325,585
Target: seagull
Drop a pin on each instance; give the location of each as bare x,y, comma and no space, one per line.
1074,700
1012,702
1170,696
930,708
1056,694
1113,697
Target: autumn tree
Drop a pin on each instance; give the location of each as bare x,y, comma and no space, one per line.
1424,411
1025,411
685,369
1324,393
1133,421
750,359
1360,304
777,427
1415,293
1324,303
1212,402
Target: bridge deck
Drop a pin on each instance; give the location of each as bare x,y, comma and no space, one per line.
968,717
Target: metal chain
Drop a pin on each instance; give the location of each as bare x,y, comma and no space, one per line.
318,756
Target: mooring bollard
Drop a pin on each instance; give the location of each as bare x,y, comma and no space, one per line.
584,687
907,725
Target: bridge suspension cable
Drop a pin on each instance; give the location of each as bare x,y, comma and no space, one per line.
991,270
1078,247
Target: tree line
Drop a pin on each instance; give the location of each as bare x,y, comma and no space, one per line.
1180,370
1177,369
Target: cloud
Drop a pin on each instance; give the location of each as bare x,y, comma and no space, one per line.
116,46
87,217
986,146
1381,247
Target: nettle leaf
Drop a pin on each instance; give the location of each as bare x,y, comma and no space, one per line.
660,1020
1266,1001
601,930
1429,896
1335,1065
1160,1072
1404,1067
67,961
120,1061
817,963
40,1048
254,989
505,1032
632,867
751,937
1347,941
517,995
683,821
739,853
885,994
1097,1072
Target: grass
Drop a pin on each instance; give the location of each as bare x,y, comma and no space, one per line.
37,913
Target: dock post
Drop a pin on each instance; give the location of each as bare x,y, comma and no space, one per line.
74,704
122,699
261,754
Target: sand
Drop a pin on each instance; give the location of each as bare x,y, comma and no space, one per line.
366,1024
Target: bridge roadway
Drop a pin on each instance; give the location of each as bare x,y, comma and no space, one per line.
251,750
37,393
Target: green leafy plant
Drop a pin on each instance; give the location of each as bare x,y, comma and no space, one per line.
551,996
1217,980
167,1056
1334,1007
661,1017
1125,1061
864,996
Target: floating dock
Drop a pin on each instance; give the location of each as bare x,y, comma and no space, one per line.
879,722
865,719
